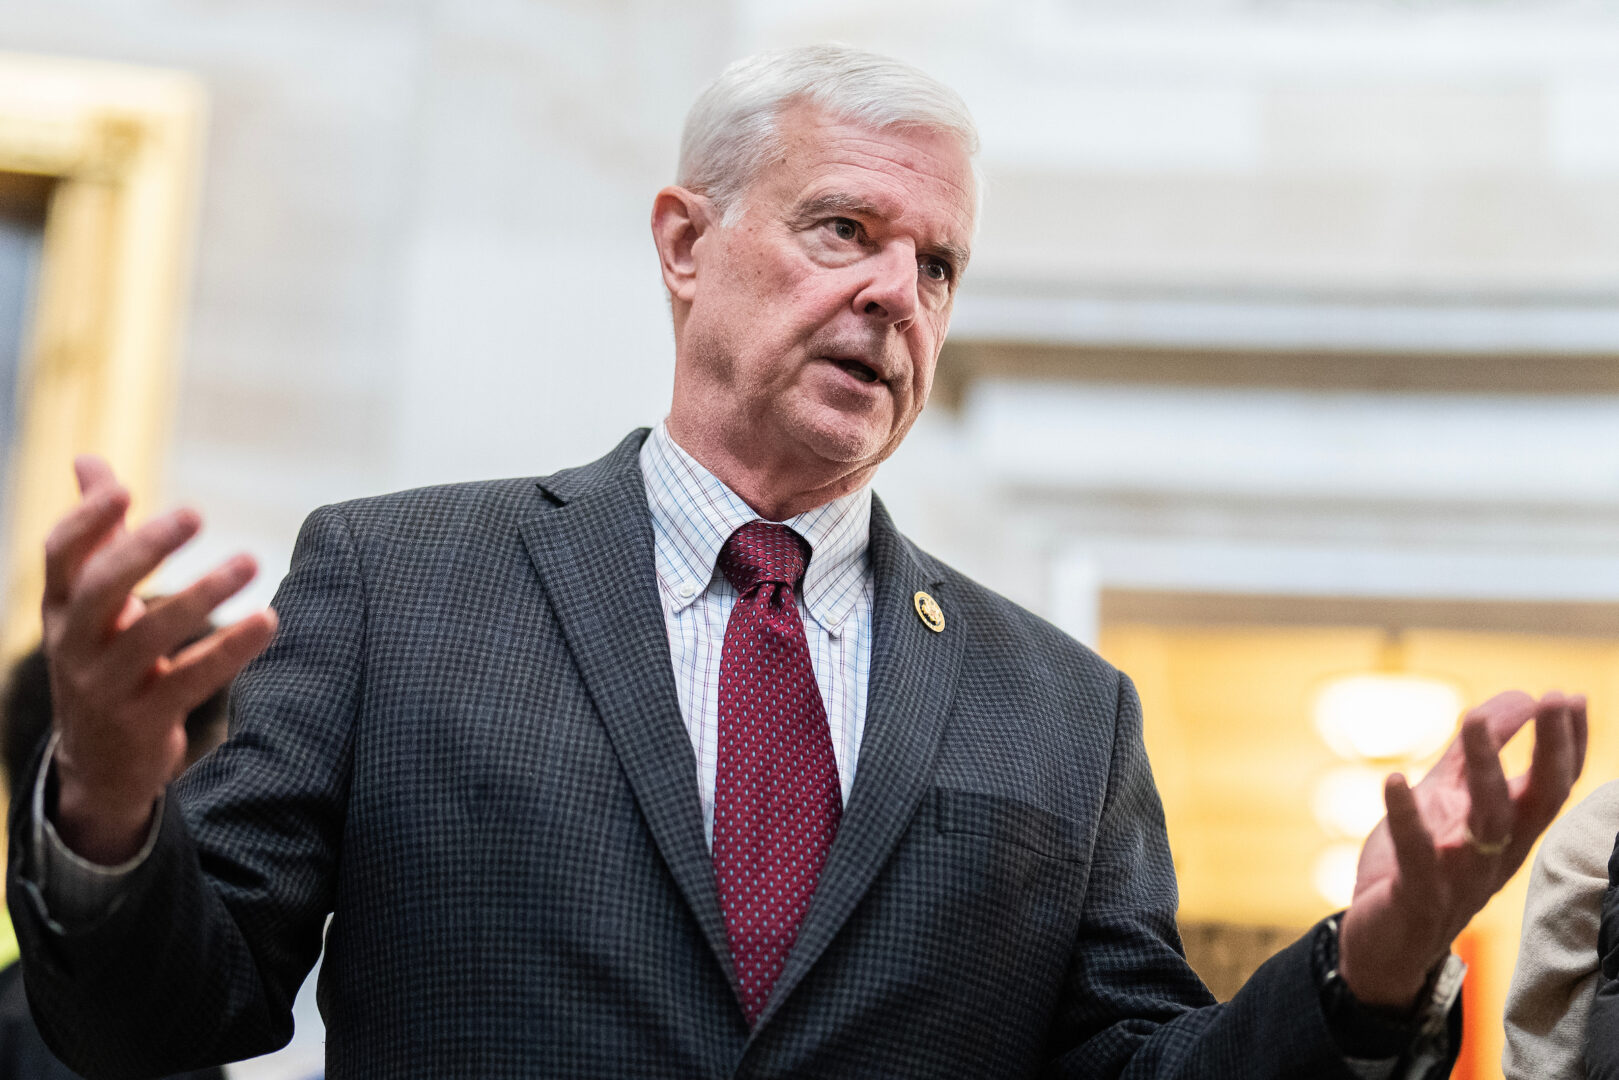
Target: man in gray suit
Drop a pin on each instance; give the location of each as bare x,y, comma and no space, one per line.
608,774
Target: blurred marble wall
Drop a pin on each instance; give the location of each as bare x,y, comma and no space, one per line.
1271,298
423,252
423,249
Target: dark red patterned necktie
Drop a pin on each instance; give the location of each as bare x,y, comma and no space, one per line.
776,796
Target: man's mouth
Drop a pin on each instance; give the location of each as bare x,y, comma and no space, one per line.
856,368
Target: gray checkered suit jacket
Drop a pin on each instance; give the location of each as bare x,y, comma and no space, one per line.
466,743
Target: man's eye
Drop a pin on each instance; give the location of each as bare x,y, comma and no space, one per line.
935,269
844,229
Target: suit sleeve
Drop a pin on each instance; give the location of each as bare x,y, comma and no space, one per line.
200,959
1133,1008
1602,1028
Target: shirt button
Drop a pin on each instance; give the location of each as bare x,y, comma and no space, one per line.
685,590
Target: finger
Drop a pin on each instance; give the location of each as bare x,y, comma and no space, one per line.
86,527
1489,814
1576,708
112,572
1552,766
1413,844
134,607
202,669
92,473
1502,716
168,623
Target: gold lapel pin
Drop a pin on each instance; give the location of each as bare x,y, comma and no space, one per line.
928,610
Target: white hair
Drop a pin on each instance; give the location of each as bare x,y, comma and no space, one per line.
731,131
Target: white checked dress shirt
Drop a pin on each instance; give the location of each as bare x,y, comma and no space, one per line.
693,514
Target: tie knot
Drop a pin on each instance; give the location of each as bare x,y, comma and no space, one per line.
763,551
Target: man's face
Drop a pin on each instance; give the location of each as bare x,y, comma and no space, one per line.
816,318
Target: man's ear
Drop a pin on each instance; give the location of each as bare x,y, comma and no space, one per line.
680,219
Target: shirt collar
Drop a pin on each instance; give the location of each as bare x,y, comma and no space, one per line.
694,513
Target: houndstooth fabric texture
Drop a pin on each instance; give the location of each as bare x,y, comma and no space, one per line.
477,764
777,803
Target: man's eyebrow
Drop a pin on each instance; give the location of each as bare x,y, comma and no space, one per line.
956,255
835,203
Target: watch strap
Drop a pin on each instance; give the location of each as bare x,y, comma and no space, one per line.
1366,1032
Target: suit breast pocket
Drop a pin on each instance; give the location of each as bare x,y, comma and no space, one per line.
1015,862
991,889
1007,821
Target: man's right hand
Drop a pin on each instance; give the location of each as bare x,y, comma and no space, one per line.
119,698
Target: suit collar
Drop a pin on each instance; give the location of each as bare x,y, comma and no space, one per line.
592,549
609,471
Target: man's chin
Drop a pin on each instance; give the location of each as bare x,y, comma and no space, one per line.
840,439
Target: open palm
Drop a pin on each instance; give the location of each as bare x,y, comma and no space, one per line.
1451,842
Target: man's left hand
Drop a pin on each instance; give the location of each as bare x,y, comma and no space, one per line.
1448,844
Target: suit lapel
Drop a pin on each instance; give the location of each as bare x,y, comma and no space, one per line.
594,554
913,677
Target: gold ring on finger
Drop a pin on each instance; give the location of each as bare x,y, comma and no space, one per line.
1486,847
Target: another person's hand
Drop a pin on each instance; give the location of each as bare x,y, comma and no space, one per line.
1448,844
119,697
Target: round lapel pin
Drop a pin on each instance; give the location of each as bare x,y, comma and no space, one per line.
928,610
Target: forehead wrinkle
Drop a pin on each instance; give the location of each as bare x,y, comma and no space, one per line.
810,129
911,158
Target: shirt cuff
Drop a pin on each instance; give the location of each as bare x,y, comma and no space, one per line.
75,891
1432,1052
1418,1045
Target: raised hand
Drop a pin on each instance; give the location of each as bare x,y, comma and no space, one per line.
119,698
1448,844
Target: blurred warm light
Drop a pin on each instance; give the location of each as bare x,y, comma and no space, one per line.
1373,720
1335,873
1379,716
1348,801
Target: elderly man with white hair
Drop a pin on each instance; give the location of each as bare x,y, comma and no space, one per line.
686,763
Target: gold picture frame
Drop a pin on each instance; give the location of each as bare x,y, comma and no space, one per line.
118,149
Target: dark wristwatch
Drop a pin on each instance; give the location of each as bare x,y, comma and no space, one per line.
1370,1033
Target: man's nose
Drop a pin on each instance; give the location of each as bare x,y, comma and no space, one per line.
889,291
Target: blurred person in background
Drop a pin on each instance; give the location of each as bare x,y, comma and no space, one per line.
1602,1025
686,762
25,724
1559,969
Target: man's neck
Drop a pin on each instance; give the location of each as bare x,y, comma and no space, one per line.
761,484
